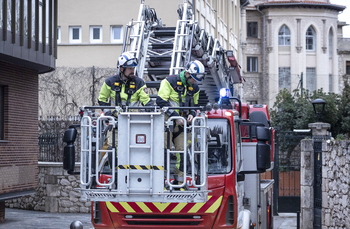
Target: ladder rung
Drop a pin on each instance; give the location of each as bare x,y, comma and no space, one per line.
139,189
140,122
139,147
105,150
139,171
159,58
199,152
161,46
157,71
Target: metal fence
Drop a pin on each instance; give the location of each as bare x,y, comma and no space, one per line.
51,147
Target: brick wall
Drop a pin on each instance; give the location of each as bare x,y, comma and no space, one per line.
19,149
2,211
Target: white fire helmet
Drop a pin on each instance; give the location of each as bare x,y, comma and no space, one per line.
196,69
127,60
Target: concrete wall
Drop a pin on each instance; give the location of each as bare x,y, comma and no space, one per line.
56,192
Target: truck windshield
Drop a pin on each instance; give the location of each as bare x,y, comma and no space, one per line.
219,147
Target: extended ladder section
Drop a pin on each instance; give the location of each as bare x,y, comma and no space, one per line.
164,51
139,169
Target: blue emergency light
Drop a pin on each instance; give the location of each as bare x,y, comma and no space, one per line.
224,93
224,101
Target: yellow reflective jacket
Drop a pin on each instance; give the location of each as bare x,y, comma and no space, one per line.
107,93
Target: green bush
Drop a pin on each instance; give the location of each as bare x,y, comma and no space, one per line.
296,112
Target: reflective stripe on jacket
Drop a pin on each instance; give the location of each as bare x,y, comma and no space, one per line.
169,97
107,92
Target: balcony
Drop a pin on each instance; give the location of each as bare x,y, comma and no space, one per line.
28,33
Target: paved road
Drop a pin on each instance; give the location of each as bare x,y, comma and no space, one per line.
24,219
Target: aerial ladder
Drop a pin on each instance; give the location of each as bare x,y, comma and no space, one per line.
163,51
142,172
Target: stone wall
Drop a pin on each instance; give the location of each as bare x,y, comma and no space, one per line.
56,192
335,184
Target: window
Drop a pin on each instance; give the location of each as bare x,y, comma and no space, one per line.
58,34
330,44
219,146
311,79
2,113
330,82
116,34
75,34
252,102
284,36
348,67
310,39
252,29
238,146
95,34
252,64
284,78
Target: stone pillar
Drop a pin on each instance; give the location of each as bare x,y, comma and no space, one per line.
319,128
306,183
307,176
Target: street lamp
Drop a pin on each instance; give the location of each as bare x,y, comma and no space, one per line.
318,105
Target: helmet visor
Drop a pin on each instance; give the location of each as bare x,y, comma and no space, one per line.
198,76
130,63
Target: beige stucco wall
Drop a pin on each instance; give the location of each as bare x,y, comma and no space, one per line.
298,59
220,19
86,13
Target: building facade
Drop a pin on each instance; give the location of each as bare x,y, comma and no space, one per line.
91,33
27,48
289,44
90,39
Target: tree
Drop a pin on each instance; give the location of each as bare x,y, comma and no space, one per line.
296,112
344,111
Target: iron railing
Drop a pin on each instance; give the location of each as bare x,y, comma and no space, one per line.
51,148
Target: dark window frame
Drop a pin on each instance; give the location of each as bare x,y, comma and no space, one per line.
310,37
2,112
284,78
347,67
252,64
284,36
252,29
311,79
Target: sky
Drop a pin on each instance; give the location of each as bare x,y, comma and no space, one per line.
344,16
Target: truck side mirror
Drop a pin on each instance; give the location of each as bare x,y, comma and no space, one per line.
69,150
263,155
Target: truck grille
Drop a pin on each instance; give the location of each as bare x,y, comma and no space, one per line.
163,220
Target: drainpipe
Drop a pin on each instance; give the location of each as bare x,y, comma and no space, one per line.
264,53
194,9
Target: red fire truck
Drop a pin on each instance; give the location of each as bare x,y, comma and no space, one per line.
132,184
222,169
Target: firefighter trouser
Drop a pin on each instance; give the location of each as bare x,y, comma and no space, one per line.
179,146
108,143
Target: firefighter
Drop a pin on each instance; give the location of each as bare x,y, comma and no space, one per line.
124,89
181,91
